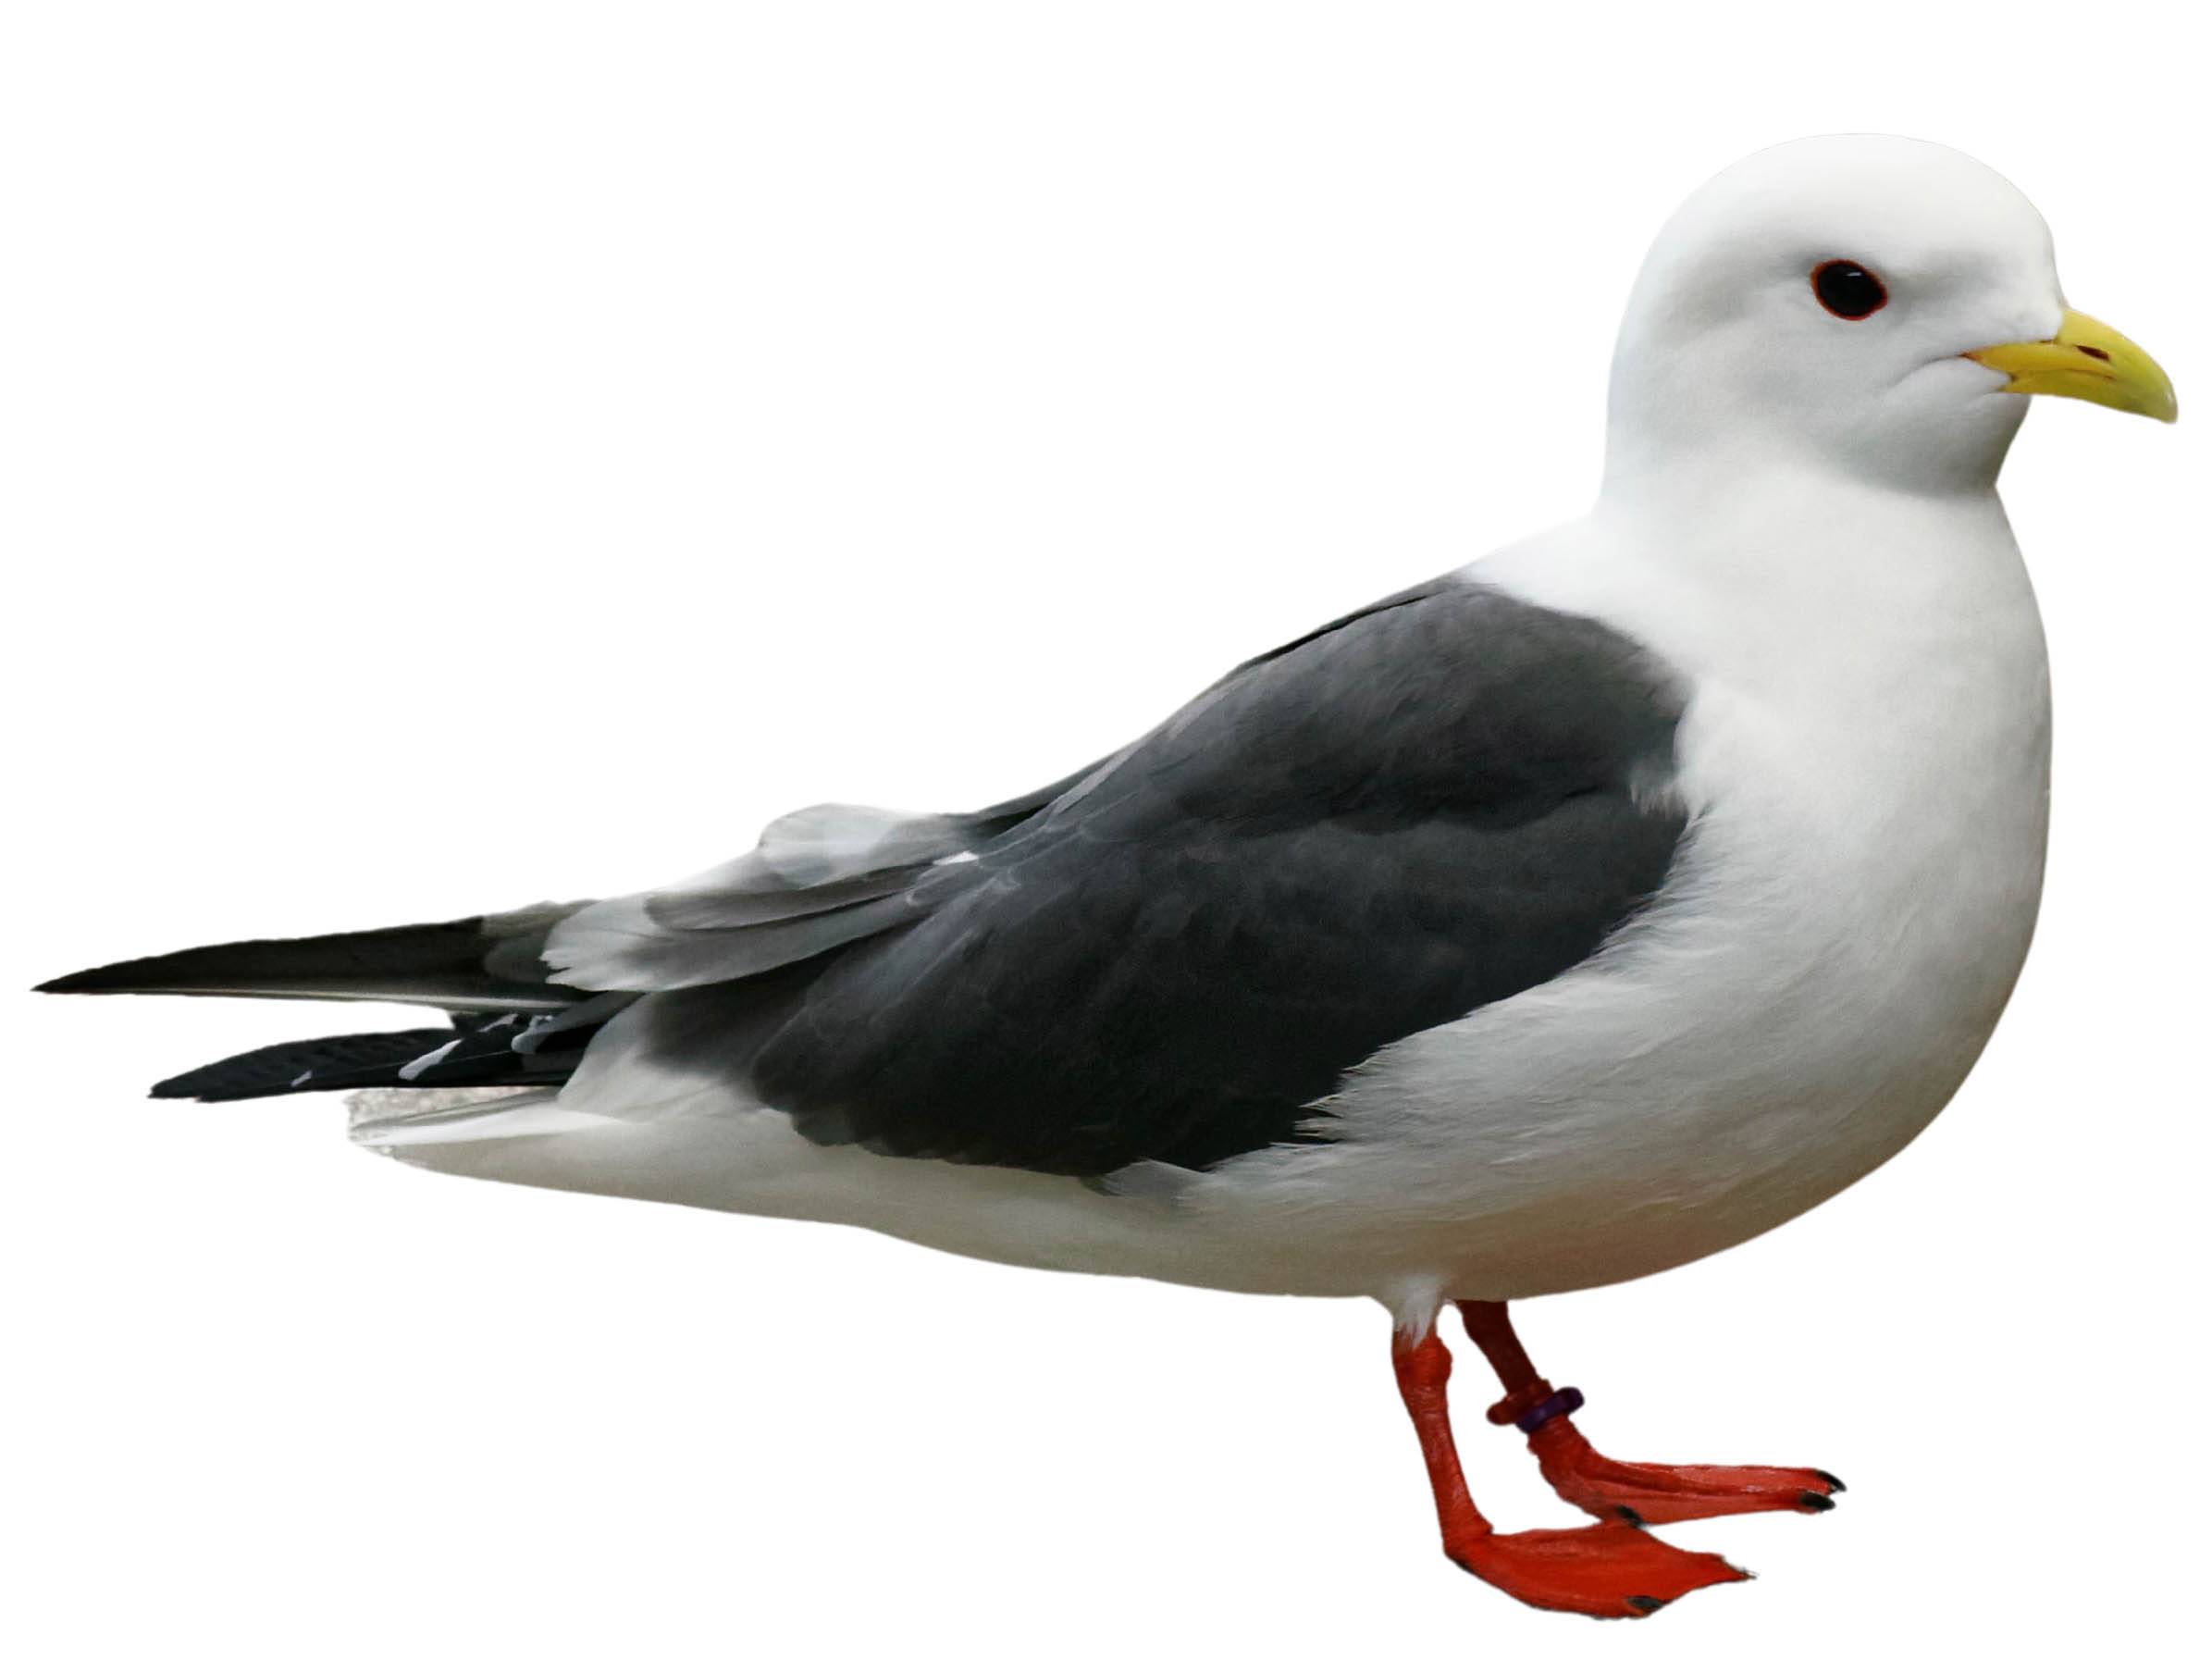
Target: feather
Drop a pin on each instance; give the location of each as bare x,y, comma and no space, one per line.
482,962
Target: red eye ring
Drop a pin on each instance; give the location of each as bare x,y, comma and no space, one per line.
1846,289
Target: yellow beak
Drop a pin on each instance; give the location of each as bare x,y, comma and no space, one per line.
2085,359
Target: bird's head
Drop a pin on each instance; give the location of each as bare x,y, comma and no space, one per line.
1864,305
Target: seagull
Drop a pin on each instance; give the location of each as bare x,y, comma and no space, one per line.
1590,909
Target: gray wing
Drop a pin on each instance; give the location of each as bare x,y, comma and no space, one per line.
1427,806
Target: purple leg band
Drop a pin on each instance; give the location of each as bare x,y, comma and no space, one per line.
1560,1402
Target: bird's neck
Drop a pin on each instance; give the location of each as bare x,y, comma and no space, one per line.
1779,577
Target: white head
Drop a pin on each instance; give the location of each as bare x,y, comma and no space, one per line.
1862,305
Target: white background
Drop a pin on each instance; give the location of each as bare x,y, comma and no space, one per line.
462,454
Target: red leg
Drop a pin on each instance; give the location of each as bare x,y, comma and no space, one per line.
1637,1493
1607,1572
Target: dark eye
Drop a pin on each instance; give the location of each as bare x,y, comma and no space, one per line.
1848,289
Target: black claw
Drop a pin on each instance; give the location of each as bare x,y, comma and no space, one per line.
1816,1502
1628,1515
1833,1484
1647,1604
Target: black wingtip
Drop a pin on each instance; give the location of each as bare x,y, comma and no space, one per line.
87,980
443,964
139,973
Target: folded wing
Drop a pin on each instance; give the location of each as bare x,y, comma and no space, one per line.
1174,955
1425,807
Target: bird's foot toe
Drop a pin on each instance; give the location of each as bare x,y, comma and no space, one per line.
1655,1493
1605,1572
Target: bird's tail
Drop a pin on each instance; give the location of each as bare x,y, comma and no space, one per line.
510,1025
